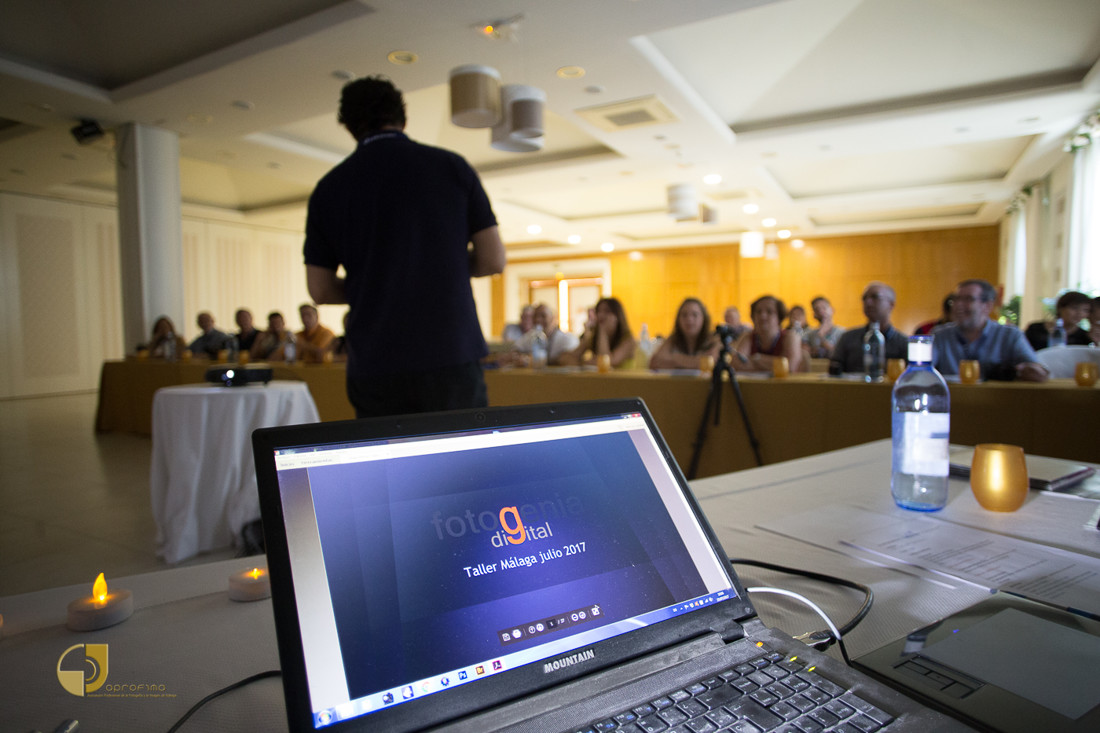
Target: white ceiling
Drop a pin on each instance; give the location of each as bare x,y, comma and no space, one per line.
834,116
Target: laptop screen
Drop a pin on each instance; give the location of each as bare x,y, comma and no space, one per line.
423,564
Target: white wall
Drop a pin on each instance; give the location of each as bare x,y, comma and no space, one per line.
61,302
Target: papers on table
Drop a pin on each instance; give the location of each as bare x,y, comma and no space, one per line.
1064,579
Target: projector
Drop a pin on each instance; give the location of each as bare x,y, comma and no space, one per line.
238,376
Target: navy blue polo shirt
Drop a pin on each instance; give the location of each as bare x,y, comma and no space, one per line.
399,215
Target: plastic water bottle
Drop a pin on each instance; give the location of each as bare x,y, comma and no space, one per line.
1058,335
290,350
170,347
234,349
538,348
921,428
645,345
874,354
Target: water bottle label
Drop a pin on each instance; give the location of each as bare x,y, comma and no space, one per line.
924,442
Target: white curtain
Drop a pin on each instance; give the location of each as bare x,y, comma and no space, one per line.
1014,248
1083,245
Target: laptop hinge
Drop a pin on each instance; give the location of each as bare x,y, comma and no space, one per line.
732,630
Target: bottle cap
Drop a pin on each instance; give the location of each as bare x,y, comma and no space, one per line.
920,350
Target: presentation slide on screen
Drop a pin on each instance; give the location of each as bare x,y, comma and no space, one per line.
439,561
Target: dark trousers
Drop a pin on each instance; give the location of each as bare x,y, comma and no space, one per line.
447,388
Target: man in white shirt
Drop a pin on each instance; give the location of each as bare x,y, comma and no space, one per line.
558,342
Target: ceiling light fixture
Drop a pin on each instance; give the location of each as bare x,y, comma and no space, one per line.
520,129
750,208
767,222
402,58
500,30
712,179
683,202
797,244
783,234
573,239
534,229
570,72
752,245
608,246
475,96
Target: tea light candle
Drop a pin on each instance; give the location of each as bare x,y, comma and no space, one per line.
101,610
250,585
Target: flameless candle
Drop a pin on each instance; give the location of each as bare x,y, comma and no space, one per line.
101,610
250,585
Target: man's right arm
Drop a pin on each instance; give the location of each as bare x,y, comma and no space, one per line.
324,286
487,256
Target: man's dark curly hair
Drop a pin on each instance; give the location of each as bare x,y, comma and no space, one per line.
369,104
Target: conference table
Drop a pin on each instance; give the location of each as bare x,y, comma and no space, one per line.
799,416
202,479
186,639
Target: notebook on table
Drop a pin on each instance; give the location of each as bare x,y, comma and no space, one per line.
537,568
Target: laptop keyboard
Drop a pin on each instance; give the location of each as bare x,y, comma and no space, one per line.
768,693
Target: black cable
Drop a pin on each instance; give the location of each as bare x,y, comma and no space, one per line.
222,691
824,638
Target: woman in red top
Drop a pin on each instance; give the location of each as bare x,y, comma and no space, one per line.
767,339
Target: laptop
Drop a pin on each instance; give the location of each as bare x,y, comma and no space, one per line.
535,568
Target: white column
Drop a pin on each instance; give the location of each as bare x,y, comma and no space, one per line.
150,238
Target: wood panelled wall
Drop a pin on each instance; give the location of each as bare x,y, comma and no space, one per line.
921,266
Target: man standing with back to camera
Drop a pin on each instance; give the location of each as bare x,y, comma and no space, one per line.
400,217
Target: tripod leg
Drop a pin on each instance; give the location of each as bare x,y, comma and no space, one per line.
745,417
713,401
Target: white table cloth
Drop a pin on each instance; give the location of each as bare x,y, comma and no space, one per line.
203,479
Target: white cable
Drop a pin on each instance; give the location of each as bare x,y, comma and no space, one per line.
807,601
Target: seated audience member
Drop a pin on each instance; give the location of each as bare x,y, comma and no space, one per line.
165,343
559,342
759,347
796,319
1072,307
515,331
1002,351
929,326
1094,321
691,338
732,318
246,332
878,305
313,340
211,340
822,340
608,333
269,344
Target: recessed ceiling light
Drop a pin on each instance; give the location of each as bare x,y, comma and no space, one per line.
783,233
712,179
570,72
635,256
402,58
534,229
243,104
343,75
594,89
200,119
573,239
768,222
750,208
608,246
797,244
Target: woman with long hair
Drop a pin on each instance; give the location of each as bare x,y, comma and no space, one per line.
608,334
768,339
691,338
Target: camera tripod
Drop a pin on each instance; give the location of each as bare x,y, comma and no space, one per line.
714,402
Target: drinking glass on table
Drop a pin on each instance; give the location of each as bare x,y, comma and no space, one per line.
970,371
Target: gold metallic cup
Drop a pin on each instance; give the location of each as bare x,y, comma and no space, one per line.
1086,373
223,356
970,371
603,363
998,476
781,367
706,364
894,368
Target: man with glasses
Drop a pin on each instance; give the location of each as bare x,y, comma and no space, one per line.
878,305
1002,351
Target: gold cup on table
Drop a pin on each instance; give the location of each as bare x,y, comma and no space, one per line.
1085,373
998,476
781,367
706,364
894,368
223,356
603,363
142,354
242,357
970,371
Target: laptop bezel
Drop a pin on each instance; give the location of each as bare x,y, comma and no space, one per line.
445,706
